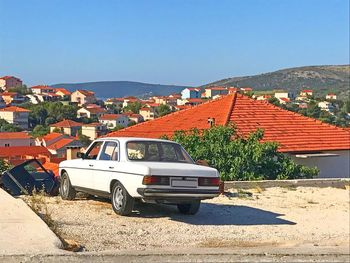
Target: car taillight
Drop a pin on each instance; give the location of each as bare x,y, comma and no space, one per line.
155,180
209,181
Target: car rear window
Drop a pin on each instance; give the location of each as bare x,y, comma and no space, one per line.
153,151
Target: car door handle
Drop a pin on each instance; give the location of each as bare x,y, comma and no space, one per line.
111,167
91,165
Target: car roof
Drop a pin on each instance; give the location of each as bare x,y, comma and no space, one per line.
127,139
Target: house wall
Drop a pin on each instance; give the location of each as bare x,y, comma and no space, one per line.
16,142
17,118
90,131
12,83
330,167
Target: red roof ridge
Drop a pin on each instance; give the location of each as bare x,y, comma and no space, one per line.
233,102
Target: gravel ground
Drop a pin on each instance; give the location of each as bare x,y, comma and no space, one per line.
279,217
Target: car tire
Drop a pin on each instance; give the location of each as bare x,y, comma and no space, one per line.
67,191
190,208
122,202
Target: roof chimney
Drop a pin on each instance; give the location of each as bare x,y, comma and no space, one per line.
211,122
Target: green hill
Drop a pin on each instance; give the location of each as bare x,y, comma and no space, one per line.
321,79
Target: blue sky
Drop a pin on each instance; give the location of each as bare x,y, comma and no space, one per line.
187,42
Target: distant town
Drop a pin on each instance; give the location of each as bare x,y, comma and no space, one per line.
56,121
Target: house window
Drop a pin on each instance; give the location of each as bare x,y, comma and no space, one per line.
7,145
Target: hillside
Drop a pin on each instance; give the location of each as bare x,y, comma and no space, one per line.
109,89
321,79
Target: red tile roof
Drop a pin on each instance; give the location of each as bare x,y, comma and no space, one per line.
294,132
194,89
86,92
51,136
307,90
8,77
14,109
17,151
42,87
63,91
60,143
14,135
111,116
66,123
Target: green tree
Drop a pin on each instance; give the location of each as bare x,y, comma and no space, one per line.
163,110
39,131
347,106
133,106
118,127
8,127
274,101
85,140
241,158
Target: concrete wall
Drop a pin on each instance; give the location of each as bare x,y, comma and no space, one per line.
330,166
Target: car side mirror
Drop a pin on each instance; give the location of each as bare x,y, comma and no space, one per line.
202,162
80,155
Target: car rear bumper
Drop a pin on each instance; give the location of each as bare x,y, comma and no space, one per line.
160,193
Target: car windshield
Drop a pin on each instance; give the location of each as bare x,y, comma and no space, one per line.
154,151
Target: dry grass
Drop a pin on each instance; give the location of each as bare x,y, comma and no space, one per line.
38,203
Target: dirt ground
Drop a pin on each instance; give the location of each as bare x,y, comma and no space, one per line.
278,217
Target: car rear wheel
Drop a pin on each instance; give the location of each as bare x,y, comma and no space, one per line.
67,191
122,202
190,208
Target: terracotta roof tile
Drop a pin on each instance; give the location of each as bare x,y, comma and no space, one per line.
51,136
60,143
14,135
110,116
15,151
66,123
86,92
294,132
14,109
194,117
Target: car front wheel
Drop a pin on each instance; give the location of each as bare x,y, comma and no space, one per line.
190,208
67,192
122,202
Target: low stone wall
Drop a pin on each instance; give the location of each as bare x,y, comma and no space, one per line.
336,183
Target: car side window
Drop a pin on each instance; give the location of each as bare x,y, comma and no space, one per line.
109,152
92,153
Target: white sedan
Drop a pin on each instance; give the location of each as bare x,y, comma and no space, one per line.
126,169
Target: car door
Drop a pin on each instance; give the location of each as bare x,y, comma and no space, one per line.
84,175
106,166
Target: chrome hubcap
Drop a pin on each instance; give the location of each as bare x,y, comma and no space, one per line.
118,198
65,186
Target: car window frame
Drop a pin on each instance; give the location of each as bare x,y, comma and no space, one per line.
103,145
170,142
91,147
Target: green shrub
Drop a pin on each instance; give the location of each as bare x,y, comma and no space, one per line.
239,158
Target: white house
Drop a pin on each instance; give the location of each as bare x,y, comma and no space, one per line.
147,113
112,120
90,112
191,93
15,115
331,96
326,106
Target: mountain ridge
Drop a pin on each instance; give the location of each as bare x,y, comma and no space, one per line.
321,78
